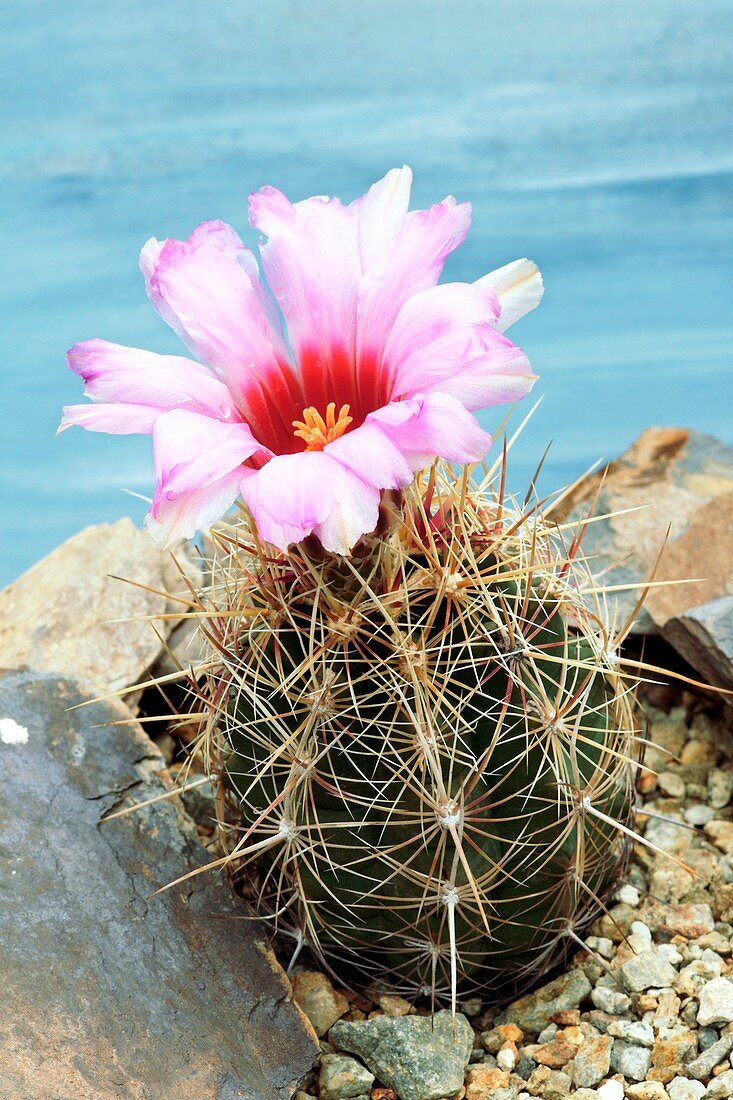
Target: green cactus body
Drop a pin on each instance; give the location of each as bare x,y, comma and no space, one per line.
427,749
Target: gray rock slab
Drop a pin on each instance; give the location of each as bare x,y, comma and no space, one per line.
704,637
419,1057
109,992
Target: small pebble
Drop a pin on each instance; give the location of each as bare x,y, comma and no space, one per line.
611,1090
628,894
672,784
716,1002
682,1089
632,1031
610,1000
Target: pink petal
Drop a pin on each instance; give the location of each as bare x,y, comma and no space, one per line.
433,425
192,451
436,332
411,263
208,291
180,517
519,288
372,454
499,375
113,372
296,495
117,419
444,340
381,213
311,261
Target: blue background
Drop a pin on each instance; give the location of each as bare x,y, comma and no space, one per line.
595,138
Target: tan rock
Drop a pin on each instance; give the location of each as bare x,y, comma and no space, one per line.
669,1054
675,477
394,1006
647,1090
555,1054
322,1004
481,1081
690,919
592,1061
721,834
71,614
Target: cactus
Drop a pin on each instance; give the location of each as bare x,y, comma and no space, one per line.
426,748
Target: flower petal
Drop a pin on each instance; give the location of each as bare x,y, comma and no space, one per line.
192,451
113,372
444,339
381,213
412,262
180,517
499,374
372,454
433,425
519,288
436,332
208,290
297,495
117,419
311,260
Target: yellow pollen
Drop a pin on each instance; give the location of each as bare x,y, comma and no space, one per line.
317,432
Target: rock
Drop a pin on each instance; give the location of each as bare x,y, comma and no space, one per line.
705,1063
670,1053
483,1082
550,1084
398,1006
704,637
689,919
343,1078
628,894
720,788
592,1061
630,1060
420,1058
716,1002
555,1054
535,1011
322,1004
676,476
507,1057
720,1088
610,1000
632,1031
682,1089
111,990
200,802
611,1090
671,784
647,1090
647,970
70,614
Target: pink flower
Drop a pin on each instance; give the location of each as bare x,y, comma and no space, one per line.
378,374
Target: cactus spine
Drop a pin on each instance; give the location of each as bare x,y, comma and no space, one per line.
426,748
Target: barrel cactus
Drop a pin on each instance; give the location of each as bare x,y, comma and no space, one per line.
425,748
421,731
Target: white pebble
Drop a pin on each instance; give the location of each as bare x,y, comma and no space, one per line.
506,1059
612,1090
11,733
629,895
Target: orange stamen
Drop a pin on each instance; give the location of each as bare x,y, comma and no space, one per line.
317,432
